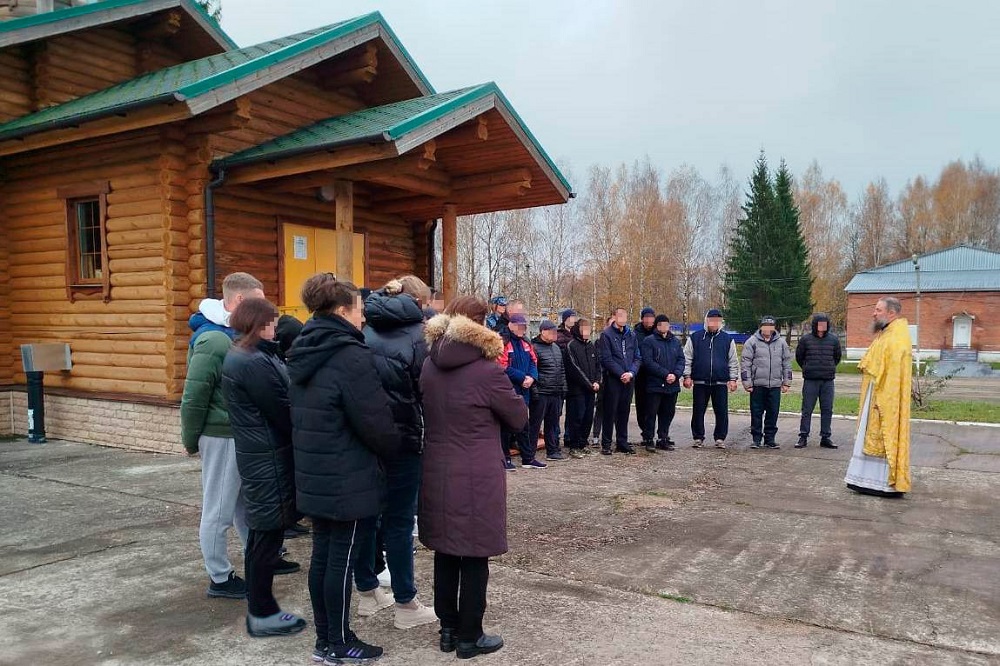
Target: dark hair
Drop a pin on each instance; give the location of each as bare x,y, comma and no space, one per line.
323,293
250,316
581,321
472,307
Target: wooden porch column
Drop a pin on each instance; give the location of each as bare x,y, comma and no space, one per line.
449,252
343,193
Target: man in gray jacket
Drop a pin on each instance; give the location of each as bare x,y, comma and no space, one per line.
766,371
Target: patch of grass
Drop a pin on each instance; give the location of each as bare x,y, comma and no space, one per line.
675,597
995,365
617,503
657,493
938,410
10,438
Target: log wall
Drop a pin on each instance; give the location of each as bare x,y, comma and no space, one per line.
62,68
16,91
118,346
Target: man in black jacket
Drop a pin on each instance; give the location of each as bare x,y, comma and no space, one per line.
644,328
583,380
818,354
547,399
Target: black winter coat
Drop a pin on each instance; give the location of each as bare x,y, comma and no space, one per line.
662,355
818,356
255,388
395,334
583,369
551,368
341,422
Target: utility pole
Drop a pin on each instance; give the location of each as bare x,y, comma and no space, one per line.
916,270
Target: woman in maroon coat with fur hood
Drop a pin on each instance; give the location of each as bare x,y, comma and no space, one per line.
463,497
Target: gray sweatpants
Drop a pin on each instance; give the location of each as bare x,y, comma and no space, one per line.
221,505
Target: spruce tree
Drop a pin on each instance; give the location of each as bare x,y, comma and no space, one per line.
794,302
748,290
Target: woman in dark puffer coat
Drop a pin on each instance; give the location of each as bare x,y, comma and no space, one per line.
463,499
255,387
342,430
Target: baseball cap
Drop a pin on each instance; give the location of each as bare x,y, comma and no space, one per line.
547,325
499,300
714,312
768,320
518,319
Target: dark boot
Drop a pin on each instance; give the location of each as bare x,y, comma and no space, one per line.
485,645
827,443
447,639
803,441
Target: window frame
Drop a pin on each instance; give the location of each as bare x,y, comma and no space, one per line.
76,286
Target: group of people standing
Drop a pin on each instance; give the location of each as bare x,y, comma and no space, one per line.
598,380
361,419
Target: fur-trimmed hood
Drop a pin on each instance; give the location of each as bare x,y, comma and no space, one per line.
455,341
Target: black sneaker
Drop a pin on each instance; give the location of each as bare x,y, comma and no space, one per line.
771,445
627,449
234,588
755,445
447,643
605,450
802,443
286,567
296,530
352,652
652,448
320,651
485,645
827,443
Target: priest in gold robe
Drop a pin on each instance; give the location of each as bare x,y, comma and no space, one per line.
880,464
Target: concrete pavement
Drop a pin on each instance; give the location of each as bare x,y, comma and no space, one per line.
697,556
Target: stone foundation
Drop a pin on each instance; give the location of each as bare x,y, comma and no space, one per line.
124,425
6,418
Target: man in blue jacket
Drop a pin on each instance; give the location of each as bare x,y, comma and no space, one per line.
711,367
663,362
520,363
618,350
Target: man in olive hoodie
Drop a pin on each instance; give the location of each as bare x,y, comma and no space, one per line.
205,432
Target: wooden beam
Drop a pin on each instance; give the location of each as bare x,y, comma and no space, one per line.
412,183
322,161
490,193
161,27
519,175
470,133
343,192
449,252
148,117
363,75
413,165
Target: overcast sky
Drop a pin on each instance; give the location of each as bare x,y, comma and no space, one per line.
867,87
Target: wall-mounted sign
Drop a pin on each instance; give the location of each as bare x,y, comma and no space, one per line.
300,247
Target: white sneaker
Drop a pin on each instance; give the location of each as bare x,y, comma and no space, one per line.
373,601
408,618
384,578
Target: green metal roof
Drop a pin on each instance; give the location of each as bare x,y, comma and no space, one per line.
390,122
377,123
187,80
53,18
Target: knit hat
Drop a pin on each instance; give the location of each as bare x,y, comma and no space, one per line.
714,312
499,300
566,314
647,312
768,320
547,325
518,318
661,318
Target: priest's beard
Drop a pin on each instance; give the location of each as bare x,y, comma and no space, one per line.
878,325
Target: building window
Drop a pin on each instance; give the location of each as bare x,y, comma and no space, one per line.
87,271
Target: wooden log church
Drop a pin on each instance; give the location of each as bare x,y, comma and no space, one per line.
144,156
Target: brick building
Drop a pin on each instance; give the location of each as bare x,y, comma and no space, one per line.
959,301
